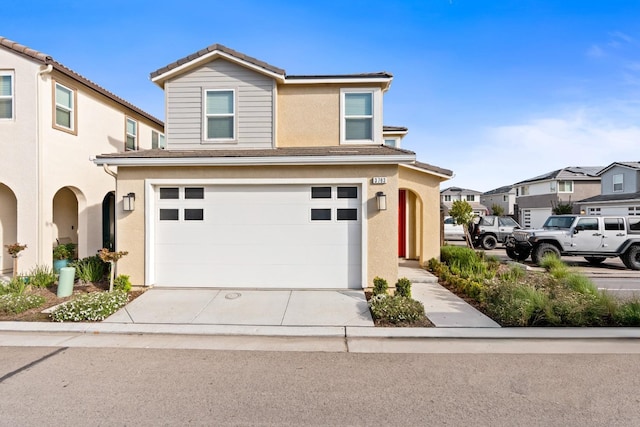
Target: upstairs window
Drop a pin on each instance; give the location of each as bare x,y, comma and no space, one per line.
220,115
618,183
157,140
131,135
471,198
6,95
360,116
447,197
392,142
65,108
565,186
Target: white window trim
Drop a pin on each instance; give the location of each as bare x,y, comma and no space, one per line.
376,121
395,139
564,191
12,97
205,116
126,134
72,110
161,141
613,180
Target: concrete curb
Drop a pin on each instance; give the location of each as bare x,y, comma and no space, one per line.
321,331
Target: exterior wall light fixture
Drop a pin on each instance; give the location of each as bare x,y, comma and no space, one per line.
129,202
382,201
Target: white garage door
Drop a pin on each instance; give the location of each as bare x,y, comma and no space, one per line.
258,236
535,218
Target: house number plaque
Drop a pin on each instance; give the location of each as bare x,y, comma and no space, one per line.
379,180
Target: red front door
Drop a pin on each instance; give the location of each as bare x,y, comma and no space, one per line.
402,224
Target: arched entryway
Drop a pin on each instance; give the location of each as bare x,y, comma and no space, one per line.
65,217
8,226
409,224
109,221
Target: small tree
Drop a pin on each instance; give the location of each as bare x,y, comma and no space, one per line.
497,210
111,257
462,212
561,208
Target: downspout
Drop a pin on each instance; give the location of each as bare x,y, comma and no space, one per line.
39,172
105,167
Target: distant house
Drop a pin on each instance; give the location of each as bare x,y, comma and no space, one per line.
620,191
451,194
537,196
52,121
271,180
504,197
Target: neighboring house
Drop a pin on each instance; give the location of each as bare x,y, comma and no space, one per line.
536,197
451,194
505,197
620,191
52,120
272,180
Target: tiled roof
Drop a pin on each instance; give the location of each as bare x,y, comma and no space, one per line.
48,60
452,190
394,129
263,65
499,190
219,48
570,172
631,165
612,197
341,150
432,168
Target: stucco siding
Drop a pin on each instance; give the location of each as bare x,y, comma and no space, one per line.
381,252
254,106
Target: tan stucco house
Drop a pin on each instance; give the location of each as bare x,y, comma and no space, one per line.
52,121
271,180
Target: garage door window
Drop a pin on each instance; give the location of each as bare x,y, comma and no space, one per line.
194,193
193,214
347,214
168,214
320,214
169,193
347,192
320,192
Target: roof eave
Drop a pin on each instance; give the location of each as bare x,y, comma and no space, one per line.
254,161
160,79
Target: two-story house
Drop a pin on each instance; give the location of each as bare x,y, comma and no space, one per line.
504,197
536,197
451,194
52,120
620,191
272,180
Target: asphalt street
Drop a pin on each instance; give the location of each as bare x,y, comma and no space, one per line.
109,386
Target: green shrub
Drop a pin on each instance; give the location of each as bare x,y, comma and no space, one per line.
90,269
91,307
403,287
628,313
122,283
552,262
15,286
18,303
380,286
514,274
41,276
396,309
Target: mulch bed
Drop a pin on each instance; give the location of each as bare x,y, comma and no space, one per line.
51,299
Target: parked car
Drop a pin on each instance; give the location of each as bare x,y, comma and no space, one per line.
487,231
593,237
453,231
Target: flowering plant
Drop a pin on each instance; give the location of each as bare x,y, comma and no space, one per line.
14,249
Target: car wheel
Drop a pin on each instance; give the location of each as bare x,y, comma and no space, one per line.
543,249
489,242
631,258
518,254
595,260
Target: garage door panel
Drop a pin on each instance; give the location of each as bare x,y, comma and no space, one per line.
259,236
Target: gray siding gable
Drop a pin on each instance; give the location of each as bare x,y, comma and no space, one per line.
630,180
254,97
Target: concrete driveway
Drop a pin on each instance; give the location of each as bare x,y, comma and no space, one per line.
247,307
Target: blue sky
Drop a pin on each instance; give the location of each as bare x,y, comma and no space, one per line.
497,91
